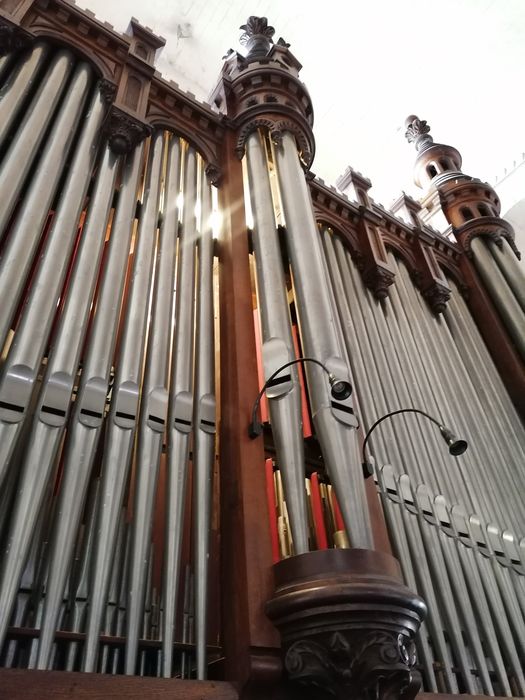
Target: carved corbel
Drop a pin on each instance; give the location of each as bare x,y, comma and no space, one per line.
429,278
347,625
372,259
124,131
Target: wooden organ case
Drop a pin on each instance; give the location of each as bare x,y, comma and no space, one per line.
164,261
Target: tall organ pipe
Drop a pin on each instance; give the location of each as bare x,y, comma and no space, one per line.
277,348
86,422
493,442
25,354
432,381
29,342
510,267
481,368
154,408
122,419
467,411
24,146
356,339
53,403
204,426
405,532
500,292
318,332
19,85
22,244
180,409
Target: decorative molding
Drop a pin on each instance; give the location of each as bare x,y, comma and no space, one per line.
124,131
493,228
276,128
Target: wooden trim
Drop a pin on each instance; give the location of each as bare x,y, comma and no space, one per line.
250,642
17,684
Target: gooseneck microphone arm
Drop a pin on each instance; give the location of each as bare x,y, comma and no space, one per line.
456,447
255,428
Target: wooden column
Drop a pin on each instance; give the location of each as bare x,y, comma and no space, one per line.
250,642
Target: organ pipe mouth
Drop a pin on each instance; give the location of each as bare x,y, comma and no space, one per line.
456,446
340,390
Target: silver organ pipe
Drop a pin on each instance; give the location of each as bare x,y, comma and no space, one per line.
21,367
502,295
18,86
510,267
277,346
23,147
87,416
154,406
204,425
24,238
122,419
473,639
180,408
335,425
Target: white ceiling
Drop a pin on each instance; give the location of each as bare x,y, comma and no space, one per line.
459,64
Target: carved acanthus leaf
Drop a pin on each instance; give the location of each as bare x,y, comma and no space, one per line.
352,665
256,26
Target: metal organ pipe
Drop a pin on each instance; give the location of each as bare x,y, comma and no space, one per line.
154,406
86,422
53,403
19,85
510,267
23,240
21,367
23,148
500,292
122,419
335,426
277,348
180,408
25,354
204,425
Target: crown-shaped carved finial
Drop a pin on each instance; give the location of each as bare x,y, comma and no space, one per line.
257,37
417,132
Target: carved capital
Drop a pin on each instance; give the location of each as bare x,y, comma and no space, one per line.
13,38
379,664
347,625
437,296
124,131
378,279
213,173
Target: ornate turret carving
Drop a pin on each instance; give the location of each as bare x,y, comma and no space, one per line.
257,37
472,207
418,132
262,90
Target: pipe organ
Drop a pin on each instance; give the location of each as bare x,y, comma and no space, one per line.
137,516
